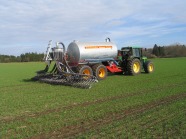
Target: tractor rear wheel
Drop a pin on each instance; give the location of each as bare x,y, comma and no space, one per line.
100,71
134,67
149,67
84,69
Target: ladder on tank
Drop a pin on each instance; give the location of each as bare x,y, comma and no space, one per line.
47,54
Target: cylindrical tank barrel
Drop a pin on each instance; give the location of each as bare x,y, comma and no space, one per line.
80,52
58,54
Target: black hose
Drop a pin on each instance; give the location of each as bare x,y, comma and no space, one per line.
63,46
53,69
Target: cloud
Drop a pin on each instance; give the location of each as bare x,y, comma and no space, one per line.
33,23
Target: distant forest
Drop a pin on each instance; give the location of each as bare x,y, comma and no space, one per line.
176,50
27,57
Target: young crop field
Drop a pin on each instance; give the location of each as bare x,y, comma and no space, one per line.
142,106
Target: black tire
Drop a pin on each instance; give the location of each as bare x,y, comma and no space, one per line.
100,71
84,69
134,67
149,67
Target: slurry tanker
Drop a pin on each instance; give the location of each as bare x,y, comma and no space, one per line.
84,63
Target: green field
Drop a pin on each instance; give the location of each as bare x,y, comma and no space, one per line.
143,106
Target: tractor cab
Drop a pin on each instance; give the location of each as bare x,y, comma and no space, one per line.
131,52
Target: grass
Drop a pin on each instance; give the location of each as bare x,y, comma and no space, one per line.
143,106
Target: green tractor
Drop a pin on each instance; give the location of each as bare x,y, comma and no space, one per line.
133,61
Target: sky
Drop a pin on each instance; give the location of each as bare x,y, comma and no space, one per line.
28,25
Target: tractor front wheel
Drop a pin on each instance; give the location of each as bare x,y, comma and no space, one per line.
134,67
100,71
149,67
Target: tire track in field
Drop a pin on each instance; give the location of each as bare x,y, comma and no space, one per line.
153,122
87,103
84,126
139,133
169,131
130,132
149,124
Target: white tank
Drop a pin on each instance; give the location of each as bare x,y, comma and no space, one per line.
81,52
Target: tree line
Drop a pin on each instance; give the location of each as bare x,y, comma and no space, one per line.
27,57
175,50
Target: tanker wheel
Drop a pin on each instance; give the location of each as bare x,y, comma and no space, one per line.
134,67
149,67
84,69
100,71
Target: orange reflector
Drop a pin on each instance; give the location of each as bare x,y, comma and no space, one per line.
97,47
